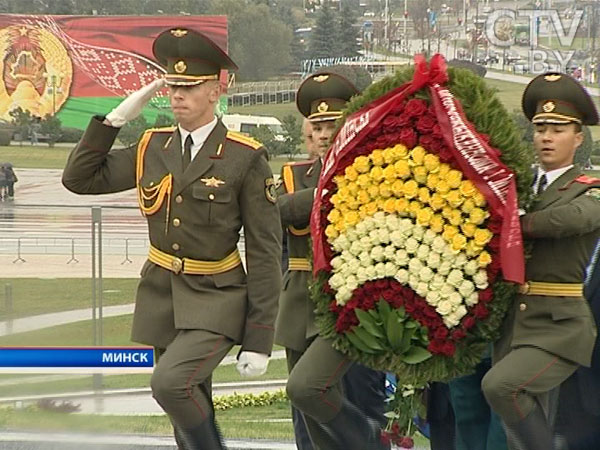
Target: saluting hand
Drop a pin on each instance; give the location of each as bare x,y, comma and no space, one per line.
132,106
252,364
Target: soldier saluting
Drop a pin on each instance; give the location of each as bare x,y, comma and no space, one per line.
550,330
197,185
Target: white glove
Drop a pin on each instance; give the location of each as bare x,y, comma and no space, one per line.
132,106
252,364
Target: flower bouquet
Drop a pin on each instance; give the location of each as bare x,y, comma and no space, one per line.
416,235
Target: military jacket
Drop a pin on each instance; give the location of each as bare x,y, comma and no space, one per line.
295,324
563,227
227,186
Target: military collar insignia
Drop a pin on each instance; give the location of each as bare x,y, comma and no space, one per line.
180,66
554,77
549,106
212,182
323,107
179,32
320,78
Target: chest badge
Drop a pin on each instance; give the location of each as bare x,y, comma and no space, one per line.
212,182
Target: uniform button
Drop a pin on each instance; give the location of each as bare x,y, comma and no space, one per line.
176,222
211,196
175,246
522,306
179,199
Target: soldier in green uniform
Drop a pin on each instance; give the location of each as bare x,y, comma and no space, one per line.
316,369
550,330
197,185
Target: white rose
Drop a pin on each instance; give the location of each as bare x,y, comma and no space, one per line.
343,295
446,291
377,253
421,289
456,299
451,320
480,279
336,281
352,235
429,236
401,257
379,219
413,281
354,265
460,260
390,269
423,252
444,307
361,228
434,260
406,227
365,259
351,282
472,299
380,270
445,268
374,237
384,235
432,297
391,222
449,255
341,243
401,276
411,245
461,311
355,248
389,252
439,244
471,267
418,232
466,288
426,274
369,224
437,282
397,238
455,278
414,266
371,273
336,262
361,275
365,243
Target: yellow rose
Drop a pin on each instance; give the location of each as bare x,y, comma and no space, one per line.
352,203
380,202
449,232
351,218
424,195
414,207
468,206
402,168
453,178
424,216
432,180
454,198
472,249
390,205
484,259
401,151
373,191
437,201
397,188
468,228
390,155
420,174
363,180
331,232
458,242
336,200
333,216
444,170
385,190
371,208
431,163
343,193
479,200
467,188
352,188
410,189
362,164
455,218
376,174
442,187
350,173
417,155
340,225
477,216
340,180
362,212
482,236
377,157
447,212
389,173
401,205
436,223
363,197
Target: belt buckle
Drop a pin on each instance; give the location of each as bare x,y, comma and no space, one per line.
176,265
525,288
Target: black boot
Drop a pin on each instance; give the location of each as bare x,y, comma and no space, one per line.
530,433
353,430
203,437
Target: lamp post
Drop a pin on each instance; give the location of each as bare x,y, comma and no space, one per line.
54,81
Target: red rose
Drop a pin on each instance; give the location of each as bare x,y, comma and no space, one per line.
468,322
425,124
408,137
448,348
388,295
415,107
436,131
445,154
485,295
435,346
440,333
494,243
457,335
409,307
385,438
406,442
426,141
480,311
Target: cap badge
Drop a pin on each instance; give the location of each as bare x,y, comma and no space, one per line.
549,106
180,66
323,107
554,77
320,78
179,32
212,182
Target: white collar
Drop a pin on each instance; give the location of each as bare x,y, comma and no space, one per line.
199,135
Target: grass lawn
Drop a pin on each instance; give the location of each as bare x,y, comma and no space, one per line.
38,157
32,296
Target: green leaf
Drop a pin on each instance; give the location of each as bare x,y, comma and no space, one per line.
394,330
408,334
410,324
358,343
367,338
369,323
416,355
384,310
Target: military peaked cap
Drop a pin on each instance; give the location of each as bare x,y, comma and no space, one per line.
558,98
323,96
190,57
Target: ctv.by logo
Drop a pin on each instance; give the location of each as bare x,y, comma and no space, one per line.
538,58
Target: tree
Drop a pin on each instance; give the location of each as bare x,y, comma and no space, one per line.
163,120
22,120
131,132
323,40
293,135
584,152
347,33
51,126
266,137
358,76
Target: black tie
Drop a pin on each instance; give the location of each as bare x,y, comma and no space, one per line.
187,151
542,184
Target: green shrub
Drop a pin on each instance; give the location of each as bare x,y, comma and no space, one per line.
5,137
71,135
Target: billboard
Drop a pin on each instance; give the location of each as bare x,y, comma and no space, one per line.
78,66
